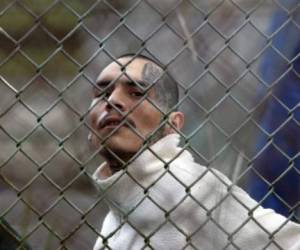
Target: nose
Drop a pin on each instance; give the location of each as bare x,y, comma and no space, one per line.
116,100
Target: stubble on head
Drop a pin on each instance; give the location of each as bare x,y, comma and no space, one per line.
152,75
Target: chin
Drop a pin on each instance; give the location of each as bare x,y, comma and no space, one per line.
123,146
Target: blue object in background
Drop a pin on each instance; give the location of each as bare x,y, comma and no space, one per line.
279,162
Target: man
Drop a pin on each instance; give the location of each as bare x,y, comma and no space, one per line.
159,197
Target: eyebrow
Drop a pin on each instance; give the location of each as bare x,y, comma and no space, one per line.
138,83
102,83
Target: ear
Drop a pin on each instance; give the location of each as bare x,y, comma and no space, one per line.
176,120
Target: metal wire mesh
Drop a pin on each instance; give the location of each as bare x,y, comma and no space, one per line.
51,53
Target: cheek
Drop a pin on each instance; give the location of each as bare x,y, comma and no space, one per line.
94,113
147,118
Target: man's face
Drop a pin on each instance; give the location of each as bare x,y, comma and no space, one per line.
121,115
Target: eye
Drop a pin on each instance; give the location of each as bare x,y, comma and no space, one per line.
106,93
136,93
97,93
103,89
102,94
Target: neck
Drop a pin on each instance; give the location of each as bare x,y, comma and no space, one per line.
114,161
125,189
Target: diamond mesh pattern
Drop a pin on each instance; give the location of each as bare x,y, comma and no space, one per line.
50,55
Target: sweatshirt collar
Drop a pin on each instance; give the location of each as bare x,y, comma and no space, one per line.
127,186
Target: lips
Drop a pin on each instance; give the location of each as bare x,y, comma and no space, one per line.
109,121
113,121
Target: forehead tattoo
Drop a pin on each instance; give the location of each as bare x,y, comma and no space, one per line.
151,73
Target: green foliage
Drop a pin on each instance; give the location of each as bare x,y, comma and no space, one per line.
37,26
16,21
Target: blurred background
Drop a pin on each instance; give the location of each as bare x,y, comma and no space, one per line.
237,66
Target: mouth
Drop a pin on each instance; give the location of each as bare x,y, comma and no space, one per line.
113,122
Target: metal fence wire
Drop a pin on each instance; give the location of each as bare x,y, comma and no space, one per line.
236,63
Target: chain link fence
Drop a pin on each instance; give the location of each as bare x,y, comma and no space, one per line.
50,55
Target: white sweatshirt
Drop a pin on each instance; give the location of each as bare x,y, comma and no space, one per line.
165,200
